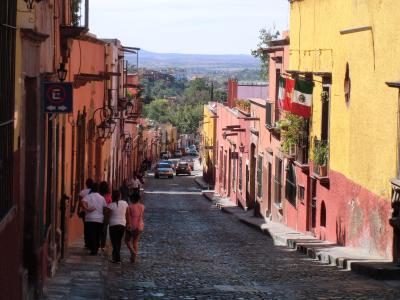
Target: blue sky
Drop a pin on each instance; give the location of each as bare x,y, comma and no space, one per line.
188,26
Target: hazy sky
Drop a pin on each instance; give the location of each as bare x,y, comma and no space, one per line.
187,26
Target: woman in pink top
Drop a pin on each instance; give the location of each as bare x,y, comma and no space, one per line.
134,226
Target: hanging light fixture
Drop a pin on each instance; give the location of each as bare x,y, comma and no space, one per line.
107,124
29,4
103,130
112,124
128,145
62,72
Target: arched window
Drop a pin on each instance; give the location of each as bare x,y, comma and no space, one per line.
323,214
290,189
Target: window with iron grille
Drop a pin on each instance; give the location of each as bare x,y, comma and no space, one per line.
268,114
278,181
301,192
290,186
7,71
240,173
259,176
234,174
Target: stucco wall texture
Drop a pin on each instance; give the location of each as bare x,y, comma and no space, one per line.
325,37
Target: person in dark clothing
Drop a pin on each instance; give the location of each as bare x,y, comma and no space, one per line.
118,214
104,190
94,205
81,212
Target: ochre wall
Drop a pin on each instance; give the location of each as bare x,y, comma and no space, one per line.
362,134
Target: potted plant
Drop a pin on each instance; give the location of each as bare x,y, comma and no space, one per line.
320,157
293,132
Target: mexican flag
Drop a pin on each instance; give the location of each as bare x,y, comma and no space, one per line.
287,101
302,98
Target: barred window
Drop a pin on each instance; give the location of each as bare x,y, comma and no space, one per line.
290,190
240,173
7,62
259,176
278,181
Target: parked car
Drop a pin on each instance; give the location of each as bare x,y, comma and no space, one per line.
193,152
190,161
165,155
174,163
169,162
178,153
183,168
163,169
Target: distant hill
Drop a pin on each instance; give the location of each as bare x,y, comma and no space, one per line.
195,61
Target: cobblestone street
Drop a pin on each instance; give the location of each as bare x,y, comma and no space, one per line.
191,250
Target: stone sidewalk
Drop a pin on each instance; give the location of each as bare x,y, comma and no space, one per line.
79,276
347,258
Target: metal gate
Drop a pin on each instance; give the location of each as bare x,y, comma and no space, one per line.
7,86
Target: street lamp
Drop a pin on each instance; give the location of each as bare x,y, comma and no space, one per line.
62,72
107,124
103,130
128,145
29,4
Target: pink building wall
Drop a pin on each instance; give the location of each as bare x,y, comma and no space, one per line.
245,91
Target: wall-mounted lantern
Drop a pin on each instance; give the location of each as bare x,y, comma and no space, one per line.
107,124
62,72
128,144
29,4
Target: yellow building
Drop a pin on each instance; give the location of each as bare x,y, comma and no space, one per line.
208,142
348,49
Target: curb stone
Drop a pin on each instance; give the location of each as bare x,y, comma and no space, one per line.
354,260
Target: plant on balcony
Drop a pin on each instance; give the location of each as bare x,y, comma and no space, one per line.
293,130
243,105
75,8
320,156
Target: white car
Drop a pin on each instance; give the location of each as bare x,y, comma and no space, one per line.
163,169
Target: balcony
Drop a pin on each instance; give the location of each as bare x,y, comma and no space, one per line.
321,161
77,26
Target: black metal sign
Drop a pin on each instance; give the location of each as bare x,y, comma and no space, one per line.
57,97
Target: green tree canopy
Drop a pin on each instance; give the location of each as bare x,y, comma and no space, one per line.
264,38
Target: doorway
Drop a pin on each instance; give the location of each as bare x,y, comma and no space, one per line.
269,187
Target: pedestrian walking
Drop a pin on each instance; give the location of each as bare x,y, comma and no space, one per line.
81,211
104,190
118,219
135,185
135,226
124,190
94,205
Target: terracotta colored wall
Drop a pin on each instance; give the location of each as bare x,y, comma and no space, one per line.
355,216
86,57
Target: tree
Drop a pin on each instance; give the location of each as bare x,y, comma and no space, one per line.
264,38
158,110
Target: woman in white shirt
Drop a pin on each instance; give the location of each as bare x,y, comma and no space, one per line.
94,205
117,223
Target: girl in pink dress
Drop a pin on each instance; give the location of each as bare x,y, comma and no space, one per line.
134,226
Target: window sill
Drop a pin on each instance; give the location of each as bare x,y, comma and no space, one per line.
289,156
324,180
303,167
